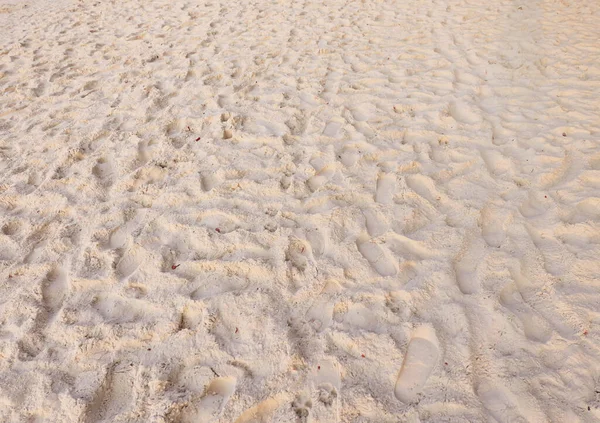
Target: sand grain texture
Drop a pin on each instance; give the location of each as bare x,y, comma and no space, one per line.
299,211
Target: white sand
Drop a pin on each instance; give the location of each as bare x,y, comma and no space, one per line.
299,211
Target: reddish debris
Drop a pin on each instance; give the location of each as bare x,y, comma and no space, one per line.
175,266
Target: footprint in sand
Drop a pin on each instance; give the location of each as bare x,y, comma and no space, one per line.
214,285
146,150
299,253
493,226
55,288
13,227
211,180
386,187
586,210
36,253
115,308
118,237
105,170
218,221
421,357
350,155
499,402
376,222
332,129
534,326
377,256
115,396
409,248
535,205
467,262
326,381
557,259
130,262
319,240
320,178
208,407
302,406
463,113
320,314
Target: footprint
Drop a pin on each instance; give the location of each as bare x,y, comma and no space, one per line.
35,179
493,226
320,314
586,210
55,289
332,129
464,113
146,150
118,237
105,170
210,405
326,384
379,258
376,222
218,284
218,221
350,155
496,163
425,187
534,326
118,309
299,253
302,406
363,112
211,180
420,359
545,303
386,187
499,402
467,262
365,317
328,394
116,394
13,227
410,248
535,205
192,316
401,304
36,253
31,346
40,90
557,258
320,178
130,262
318,237
567,171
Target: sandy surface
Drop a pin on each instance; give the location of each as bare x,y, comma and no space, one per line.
299,211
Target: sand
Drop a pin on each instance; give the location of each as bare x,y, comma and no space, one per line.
299,211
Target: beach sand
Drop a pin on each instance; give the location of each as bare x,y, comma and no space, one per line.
299,211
